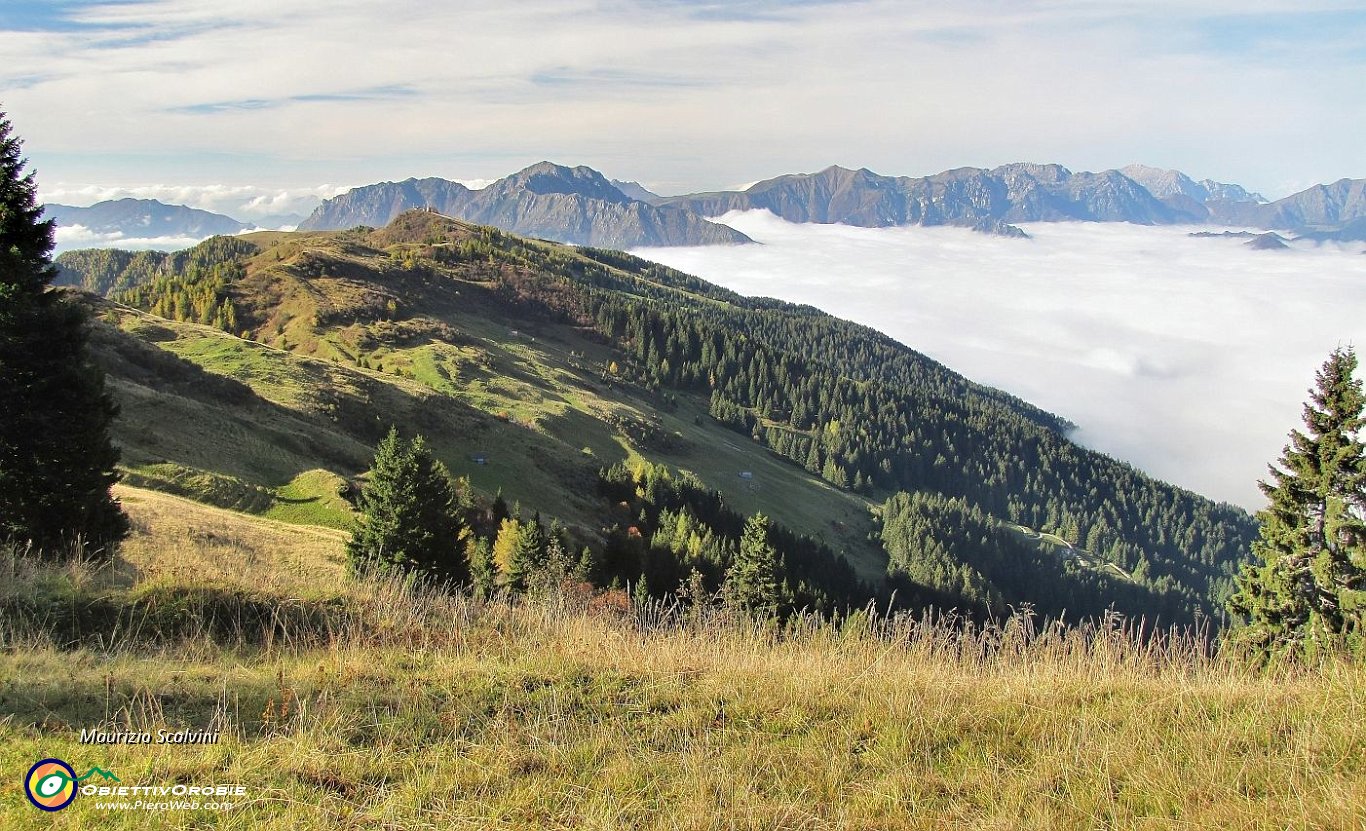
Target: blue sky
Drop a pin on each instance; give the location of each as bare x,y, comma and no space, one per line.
303,96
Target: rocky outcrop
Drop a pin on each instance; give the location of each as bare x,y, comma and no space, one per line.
1270,241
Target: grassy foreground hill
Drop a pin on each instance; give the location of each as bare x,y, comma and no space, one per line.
347,704
258,372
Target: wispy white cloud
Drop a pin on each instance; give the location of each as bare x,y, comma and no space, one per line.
69,237
1189,357
687,95
248,203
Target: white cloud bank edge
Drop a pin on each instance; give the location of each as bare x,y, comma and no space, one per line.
1188,357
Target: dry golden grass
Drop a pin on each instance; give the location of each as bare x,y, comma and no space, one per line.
181,541
416,710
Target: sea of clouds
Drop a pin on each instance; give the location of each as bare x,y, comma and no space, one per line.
1189,357
71,237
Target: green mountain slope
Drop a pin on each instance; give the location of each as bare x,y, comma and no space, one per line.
531,367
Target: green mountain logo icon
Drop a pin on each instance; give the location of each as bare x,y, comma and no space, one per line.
107,774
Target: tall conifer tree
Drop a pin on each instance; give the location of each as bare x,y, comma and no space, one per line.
752,580
506,544
410,522
530,553
1310,587
56,455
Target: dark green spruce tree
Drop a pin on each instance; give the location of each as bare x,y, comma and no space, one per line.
528,557
1308,590
409,523
56,455
752,580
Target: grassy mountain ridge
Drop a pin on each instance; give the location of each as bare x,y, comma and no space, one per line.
552,363
264,413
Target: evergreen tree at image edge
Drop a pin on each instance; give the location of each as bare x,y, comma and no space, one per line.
57,459
1306,592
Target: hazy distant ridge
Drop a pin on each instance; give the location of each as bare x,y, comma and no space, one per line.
144,218
575,205
579,205
1170,184
1321,207
972,196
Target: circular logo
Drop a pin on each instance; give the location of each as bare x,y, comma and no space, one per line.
50,784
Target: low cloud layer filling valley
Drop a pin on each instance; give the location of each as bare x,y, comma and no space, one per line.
1189,357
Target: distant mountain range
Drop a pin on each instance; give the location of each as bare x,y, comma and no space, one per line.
564,204
1321,209
991,200
985,199
144,219
579,205
1175,187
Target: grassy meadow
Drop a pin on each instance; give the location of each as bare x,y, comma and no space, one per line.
350,704
269,424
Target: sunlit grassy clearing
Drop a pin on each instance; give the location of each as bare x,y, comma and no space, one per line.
416,710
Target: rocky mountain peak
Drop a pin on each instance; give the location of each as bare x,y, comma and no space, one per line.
1165,183
548,177
1046,173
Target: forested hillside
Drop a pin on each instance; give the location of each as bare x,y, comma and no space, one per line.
552,350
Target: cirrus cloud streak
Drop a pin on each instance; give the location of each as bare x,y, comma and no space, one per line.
684,95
